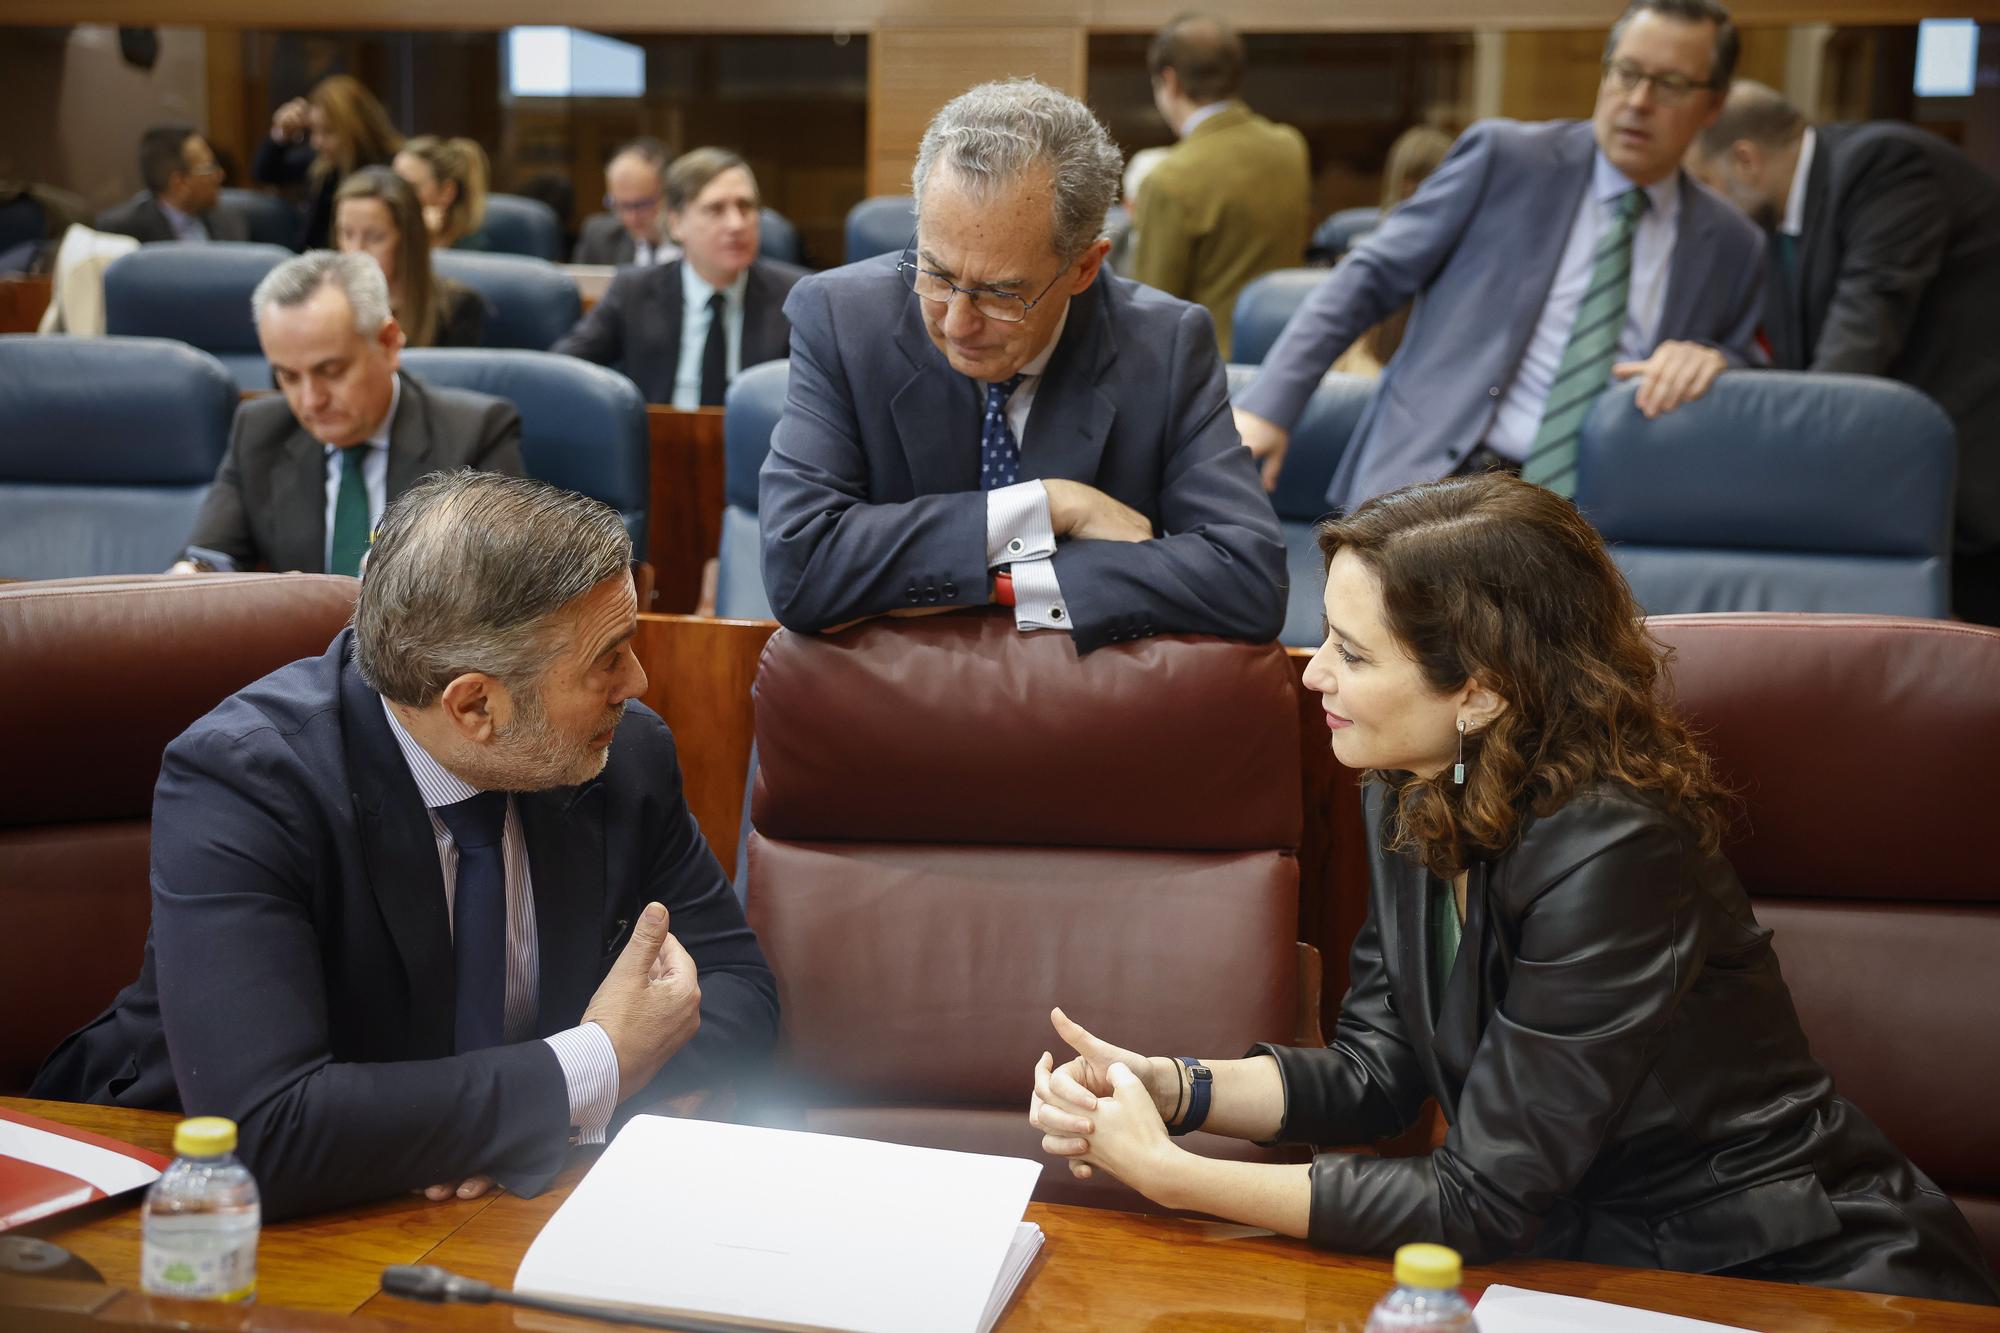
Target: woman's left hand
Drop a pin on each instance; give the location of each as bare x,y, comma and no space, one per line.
1130,1140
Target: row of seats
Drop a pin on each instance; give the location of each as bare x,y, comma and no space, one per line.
112,442
920,929
1773,492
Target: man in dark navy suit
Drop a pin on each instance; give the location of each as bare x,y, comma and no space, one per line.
428,908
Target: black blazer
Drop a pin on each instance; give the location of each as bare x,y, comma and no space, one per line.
1623,1073
636,327
291,164
1899,275
140,217
268,502
461,314
298,973
604,240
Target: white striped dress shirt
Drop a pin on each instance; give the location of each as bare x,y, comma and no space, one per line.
589,1064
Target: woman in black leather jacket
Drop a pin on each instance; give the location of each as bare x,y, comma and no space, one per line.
1555,950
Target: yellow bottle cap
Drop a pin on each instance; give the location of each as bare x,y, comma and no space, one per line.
1435,1266
206,1136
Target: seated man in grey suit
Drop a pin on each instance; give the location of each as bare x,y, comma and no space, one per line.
684,329
1545,260
181,198
991,417
307,475
632,229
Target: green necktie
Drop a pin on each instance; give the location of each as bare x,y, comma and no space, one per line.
350,514
1587,360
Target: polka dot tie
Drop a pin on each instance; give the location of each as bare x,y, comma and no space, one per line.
999,451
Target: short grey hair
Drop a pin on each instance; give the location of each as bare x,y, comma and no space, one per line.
989,136
467,573
295,282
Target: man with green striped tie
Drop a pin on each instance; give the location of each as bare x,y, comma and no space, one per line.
1546,262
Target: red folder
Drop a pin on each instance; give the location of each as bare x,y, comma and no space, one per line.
34,1189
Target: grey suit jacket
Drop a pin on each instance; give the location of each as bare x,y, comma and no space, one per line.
603,240
1476,250
1899,275
268,503
636,327
140,216
869,500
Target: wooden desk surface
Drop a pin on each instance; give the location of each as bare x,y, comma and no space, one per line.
1097,1270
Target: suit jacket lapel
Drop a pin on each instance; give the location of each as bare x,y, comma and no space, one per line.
936,412
399,850
1691,270
564,832
1477,983
1072,416
298,505
671,308
1815,246
1541,246
766,335
1412,973
413,449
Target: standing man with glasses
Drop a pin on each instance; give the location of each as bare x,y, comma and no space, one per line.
990,417
1545,262
632,228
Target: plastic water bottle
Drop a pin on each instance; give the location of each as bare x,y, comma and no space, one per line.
1426,1294
201,1219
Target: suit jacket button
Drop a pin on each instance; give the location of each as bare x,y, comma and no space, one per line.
1492,391
950,588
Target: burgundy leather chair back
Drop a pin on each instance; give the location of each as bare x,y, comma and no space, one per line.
959,826
1866,751
96,676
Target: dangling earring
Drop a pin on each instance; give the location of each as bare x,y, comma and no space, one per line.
1458,769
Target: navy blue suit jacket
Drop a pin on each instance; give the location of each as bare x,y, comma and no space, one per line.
869,500
298,974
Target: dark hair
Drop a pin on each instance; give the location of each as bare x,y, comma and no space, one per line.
162,152
1755,112
1494,578
1204,53
653,152
692,171
1728,43
417,305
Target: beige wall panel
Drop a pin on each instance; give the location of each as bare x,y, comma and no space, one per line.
914,71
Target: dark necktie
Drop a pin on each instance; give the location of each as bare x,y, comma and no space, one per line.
1587,358
1786,326
715,354
350,514
479,918
999,451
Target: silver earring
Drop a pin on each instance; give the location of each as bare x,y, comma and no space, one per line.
1458,769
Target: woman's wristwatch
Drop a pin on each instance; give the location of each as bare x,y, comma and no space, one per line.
1201,1085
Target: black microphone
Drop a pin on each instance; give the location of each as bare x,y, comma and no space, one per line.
428,1282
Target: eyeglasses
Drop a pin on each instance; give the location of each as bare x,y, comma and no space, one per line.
1005,307
1670,89
645,205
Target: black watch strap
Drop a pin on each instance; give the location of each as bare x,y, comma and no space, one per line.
1201,1085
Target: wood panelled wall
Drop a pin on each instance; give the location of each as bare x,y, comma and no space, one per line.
913,71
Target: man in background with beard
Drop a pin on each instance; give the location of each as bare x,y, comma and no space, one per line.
429,907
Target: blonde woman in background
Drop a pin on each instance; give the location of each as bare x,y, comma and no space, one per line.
376,213
449,176
1415,155
318,141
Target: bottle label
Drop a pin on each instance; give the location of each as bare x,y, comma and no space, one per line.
201,1275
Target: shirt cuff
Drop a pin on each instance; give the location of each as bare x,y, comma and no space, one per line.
1017,524
590,1068
1038,600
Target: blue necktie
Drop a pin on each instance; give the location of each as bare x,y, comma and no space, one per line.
479,918
999,451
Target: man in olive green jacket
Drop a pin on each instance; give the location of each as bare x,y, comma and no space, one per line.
1231,200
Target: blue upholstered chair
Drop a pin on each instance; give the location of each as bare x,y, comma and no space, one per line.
582,427
756,401
517,225
880,225
1263,307
108,447
272,220
196,294
778,239
1337,235
1318,441
529,302
1776,492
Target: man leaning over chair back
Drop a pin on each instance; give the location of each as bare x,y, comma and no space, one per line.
988,416
430,906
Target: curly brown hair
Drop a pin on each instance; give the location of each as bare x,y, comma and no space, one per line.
1493,578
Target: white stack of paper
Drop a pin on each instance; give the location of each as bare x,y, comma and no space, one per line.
1515,1310
777,1227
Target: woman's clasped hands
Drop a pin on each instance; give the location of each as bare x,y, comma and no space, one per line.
1106,1108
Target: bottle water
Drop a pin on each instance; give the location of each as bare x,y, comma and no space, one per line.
1426,1294
201,1219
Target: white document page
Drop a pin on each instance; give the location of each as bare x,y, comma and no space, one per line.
111,1172
1516,1310
778,1226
